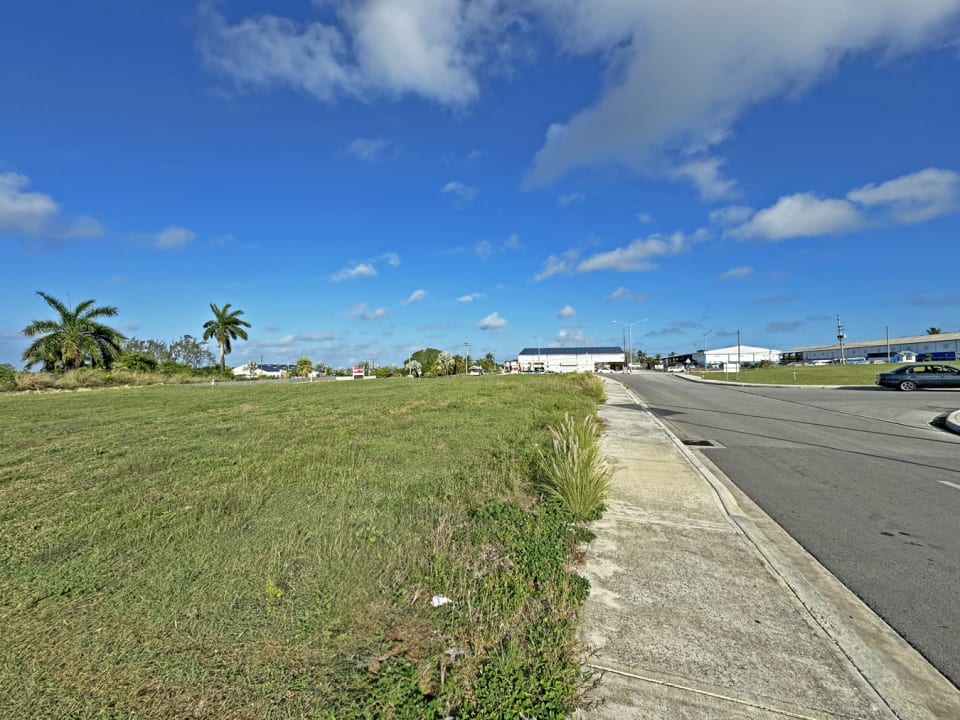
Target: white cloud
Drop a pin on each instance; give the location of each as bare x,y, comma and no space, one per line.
681,73
462,193
566,312
801,215
431,48
908,199
638,255
469,298
390,258
913,198
571,336
360,311
706,176
577,197
644,218
622,293
737,273
371,149
415,297
557,265
493,321
173,237
357,271
486,249
34,214
730,215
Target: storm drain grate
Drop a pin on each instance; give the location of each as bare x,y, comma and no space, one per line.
702,443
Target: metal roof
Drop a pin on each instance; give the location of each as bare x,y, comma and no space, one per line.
609,350
882,342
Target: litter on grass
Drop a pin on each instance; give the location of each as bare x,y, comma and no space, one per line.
438,600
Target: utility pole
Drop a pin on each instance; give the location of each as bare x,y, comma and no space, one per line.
539,361
840,337
705,346
466,356
738,356
888,343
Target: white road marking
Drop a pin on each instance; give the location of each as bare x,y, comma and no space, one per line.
947,482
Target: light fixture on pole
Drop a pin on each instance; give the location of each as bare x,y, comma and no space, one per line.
630,335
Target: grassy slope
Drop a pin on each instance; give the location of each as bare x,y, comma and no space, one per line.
807,374
251,551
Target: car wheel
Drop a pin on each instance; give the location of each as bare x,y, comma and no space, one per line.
908,385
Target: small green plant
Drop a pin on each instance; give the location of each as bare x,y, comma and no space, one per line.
274,593
572,470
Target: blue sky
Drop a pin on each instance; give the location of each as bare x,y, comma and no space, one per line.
367,177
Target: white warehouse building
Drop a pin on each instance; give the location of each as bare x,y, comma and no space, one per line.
730,357
945,346
564,360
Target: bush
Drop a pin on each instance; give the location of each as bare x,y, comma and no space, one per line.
572,470
8,378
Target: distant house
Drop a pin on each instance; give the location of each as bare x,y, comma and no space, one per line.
269,370
905,356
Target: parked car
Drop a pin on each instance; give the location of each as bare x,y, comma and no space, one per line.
912,377
676,369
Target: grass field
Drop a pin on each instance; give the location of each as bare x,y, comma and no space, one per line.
272,551
805,375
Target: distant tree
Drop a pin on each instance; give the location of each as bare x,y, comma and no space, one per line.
934,331
320,368
444,363
224,327
8,377
75,339
251,368
188,350
304,367
488,363
133,360
414,368
427,358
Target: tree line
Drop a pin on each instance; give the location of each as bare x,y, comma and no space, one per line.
78,338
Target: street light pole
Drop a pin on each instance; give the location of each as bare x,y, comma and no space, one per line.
630,342
705,346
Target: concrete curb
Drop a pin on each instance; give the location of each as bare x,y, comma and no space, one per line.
953,421
895,673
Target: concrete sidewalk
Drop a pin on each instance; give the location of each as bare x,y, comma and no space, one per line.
702,607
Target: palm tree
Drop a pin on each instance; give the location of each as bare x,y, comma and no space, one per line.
224,327
934,331
75,339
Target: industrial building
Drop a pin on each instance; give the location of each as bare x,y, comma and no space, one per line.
564,360
726,358
944,346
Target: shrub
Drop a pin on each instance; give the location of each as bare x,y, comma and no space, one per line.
8,377
572,470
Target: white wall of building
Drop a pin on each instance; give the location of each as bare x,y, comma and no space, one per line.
568,360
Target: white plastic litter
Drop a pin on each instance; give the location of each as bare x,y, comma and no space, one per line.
438,600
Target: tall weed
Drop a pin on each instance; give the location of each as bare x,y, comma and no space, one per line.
572,470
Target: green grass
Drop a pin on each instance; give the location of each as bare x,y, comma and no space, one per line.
806,374
265,551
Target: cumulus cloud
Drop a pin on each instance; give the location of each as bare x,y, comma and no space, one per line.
568,337
639,255
706,176
493,321
469,298
622,293
566,312
353,272
415,297
905,200
432,49
737,273
360,311
371,149
463,194
682,73
730,215
557,265
803,214
173,237
913,198
37,215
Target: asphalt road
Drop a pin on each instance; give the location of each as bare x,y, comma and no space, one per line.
856,476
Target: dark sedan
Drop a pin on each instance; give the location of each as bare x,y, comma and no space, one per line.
912,377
